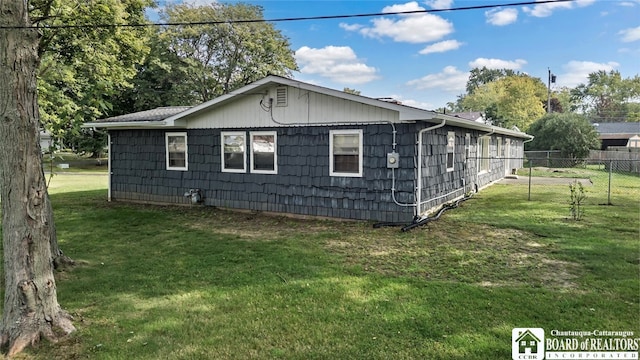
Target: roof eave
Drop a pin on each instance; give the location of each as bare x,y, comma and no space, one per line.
468,124
126,124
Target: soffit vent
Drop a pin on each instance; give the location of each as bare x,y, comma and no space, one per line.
281,96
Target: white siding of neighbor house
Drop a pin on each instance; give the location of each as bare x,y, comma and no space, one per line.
303,107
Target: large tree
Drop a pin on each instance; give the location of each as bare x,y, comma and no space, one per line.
162,80
570,133
512,100
83,64
608,97
221,57
31,308
482,76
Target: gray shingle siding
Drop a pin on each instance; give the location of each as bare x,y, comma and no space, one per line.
302,184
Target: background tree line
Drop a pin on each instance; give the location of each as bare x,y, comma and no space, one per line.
519,101
92,73
510,98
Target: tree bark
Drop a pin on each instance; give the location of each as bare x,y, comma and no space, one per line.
31,309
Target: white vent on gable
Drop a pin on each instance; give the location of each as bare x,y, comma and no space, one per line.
281,96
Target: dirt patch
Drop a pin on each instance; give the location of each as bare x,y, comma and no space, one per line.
446,250
476,254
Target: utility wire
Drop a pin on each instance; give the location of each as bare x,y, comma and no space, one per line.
245,21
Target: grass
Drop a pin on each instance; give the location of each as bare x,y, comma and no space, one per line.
159,282
76,163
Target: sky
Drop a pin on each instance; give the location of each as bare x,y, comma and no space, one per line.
423,60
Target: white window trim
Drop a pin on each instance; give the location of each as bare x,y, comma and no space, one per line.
499,148
186,151
275,151
360,152
244,152
453,163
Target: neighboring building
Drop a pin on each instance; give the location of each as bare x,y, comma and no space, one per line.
619,134
282,145
475,116
46,142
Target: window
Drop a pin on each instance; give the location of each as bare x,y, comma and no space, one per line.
499,148
263,152
451,147
483,148
234,156
345,152
176,145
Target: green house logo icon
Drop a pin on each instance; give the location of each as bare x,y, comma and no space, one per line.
527,343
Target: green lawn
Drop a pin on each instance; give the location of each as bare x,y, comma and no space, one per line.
201,283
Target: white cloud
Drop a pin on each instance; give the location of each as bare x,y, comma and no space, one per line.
546,9
630,35
577,72
338,63
351,27
439,4
410,28
410,6
501,17
450,79
199,2
442,46
497,63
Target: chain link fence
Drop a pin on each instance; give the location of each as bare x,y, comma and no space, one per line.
617,161
601,168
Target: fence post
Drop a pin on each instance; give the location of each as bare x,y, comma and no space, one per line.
529,197
548,158
609,191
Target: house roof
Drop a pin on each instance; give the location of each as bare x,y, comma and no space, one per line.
176,117
618,128
157,115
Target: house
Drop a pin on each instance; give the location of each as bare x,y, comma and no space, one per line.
46,141
281,145
527,343
619,134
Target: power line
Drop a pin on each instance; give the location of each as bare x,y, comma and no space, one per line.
307,18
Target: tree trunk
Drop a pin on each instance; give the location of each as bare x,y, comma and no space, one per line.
31,308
